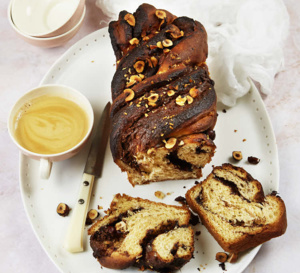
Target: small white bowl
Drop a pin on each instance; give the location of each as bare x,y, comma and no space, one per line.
50,41
46,18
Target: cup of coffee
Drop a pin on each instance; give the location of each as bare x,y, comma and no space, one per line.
51,123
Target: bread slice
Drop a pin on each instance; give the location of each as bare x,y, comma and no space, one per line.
142,233
232,206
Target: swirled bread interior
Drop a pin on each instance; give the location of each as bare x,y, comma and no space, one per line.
142,233
233,207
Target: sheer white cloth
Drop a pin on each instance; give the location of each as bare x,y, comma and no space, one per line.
245,38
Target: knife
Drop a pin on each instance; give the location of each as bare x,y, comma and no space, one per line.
93,168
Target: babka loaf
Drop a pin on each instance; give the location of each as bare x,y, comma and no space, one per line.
164,102
143,233
232,206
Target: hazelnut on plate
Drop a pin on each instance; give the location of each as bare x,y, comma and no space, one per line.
63,209
221,257
237,155
91,216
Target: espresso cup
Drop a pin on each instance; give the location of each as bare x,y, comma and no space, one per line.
51,123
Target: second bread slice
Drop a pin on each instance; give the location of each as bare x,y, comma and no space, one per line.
232,206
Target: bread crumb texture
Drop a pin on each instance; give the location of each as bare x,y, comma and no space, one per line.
142,233
232,206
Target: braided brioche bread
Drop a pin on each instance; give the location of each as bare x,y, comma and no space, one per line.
164,103
232,206
142,233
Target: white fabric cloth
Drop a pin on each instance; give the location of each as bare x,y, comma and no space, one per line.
245,38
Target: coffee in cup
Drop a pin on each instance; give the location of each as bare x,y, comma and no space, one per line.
51,123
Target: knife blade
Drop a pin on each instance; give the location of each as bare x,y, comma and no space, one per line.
93,168
95,158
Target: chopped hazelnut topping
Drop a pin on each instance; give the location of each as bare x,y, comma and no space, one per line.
153,99
142,76
146,38
154,61
194,92
160,14
150,63
130,95
134,41
133,79
189,99
129,18
139,66
167,43
177,34
159,44
153,47
161,23
130,83
180,100
166,50
181,143
151,151
171,143
221,257
159,194
171,93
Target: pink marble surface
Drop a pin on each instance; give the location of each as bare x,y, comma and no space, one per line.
22,67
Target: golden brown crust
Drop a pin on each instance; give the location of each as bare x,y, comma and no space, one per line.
161,88
116,261
249,237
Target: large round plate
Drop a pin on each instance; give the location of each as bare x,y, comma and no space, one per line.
89,66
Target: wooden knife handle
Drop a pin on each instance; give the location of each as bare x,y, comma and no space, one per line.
74,238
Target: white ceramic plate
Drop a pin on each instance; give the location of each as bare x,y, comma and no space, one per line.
89,66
